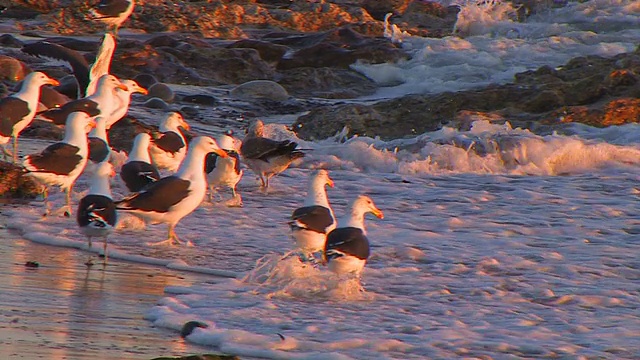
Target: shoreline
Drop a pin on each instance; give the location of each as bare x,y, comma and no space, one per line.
63,309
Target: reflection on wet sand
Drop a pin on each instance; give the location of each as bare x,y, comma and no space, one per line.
66,310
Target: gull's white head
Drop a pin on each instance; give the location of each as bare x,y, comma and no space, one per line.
207,145
174,120
363,204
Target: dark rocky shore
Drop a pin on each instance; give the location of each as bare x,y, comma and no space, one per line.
301,52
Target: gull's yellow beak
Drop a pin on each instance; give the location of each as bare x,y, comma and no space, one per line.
378,213
142,90
221,153
53,82
330,182
122,87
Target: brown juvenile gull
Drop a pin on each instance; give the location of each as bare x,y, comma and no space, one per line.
267,157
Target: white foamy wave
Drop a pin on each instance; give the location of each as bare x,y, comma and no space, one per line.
485,149
495,47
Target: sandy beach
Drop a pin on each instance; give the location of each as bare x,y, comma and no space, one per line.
66,310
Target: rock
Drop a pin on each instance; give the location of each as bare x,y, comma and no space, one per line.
12,69
41,129
201,99
8,40
269,52
14,184
52,98
544,101
156,103
228,66
68,86
326,122
328,83
161,91
189,111
260,89
145,80
200,357
379,8
122,133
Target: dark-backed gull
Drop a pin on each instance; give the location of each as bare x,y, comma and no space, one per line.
171,198
113,12
311,223
224,171
138,171
60,164
17,110
347,247
96,215
169,148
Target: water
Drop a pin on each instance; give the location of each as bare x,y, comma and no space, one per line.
496,241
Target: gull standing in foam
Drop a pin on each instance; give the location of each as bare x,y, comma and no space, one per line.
113,12
103,102
60,164
96,215
267,157
99,149
171,198
18,110
169,148
224,171
138,172
347,247
311,223
123,100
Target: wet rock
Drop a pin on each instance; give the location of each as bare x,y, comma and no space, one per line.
161,91
51,98
268,51
326,122
200,357
260,89
68,86
379,8
427,18
546,100
200,99
41,129
14,183
228,66
122,133
156,103
328,83
189,111
145,80
12,69
8,40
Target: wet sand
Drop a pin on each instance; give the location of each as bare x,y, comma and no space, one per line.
65,310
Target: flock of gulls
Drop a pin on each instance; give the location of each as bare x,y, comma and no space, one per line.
191,168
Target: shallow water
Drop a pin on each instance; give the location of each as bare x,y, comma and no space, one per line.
483,256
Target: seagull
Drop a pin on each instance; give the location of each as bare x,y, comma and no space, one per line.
267,157
171,198
311,223
103,102
123,100
347,248
138,172
224,171
86,75
18,110
96,215
99,149
169,149
113,12
60,164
